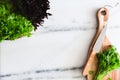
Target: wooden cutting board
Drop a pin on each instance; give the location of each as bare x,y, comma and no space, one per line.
92,59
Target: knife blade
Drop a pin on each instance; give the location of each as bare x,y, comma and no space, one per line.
98,44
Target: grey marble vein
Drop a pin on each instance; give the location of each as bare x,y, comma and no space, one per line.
70,28
58,73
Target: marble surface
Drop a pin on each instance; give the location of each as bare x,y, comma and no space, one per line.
58,50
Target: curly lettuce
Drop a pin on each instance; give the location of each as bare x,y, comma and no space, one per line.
12,24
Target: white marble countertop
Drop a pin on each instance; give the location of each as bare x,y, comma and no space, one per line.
58,50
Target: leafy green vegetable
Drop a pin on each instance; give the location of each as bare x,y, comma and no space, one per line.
12,25
108,60
109,79
91,72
